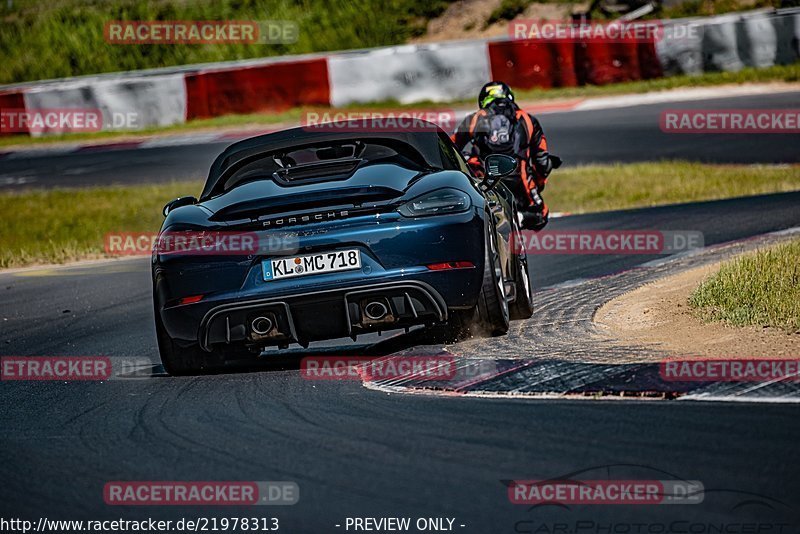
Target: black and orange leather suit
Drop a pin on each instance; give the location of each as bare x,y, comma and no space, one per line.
528,144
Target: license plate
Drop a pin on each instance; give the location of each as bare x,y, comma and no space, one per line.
324,262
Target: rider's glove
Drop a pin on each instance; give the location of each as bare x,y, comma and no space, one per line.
543,164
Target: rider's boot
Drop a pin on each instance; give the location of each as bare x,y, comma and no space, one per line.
535,217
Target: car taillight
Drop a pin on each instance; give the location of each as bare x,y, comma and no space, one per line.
190,300
450,265
439,202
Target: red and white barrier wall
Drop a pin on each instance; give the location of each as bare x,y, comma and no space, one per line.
438,72
273,86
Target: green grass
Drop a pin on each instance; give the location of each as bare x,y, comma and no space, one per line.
609,187
761,289
507,10
56,226
704,8
510,9
40,40
782,73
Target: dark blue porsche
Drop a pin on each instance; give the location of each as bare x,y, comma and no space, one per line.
358,232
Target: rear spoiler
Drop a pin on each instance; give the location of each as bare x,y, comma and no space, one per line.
425,145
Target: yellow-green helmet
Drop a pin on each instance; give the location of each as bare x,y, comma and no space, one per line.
494,91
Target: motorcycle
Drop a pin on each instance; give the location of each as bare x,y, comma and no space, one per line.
531,215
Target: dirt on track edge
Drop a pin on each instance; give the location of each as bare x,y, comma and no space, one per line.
657,315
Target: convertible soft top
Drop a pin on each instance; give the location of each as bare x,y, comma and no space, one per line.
427,144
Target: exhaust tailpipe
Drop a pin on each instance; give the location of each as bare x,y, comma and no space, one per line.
261,325
375,310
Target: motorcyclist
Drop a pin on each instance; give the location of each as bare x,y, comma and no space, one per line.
500,126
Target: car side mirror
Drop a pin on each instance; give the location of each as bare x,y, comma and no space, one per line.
177,203
496,166
499,165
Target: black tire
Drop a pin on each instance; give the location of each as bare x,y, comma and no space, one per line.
188,360
493,315
490,315
522,307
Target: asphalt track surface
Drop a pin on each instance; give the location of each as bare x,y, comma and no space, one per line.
580,137
356,452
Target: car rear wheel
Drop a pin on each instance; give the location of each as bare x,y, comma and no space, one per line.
492,313
522,307
184,360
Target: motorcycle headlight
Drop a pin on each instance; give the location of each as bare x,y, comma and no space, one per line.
439,202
